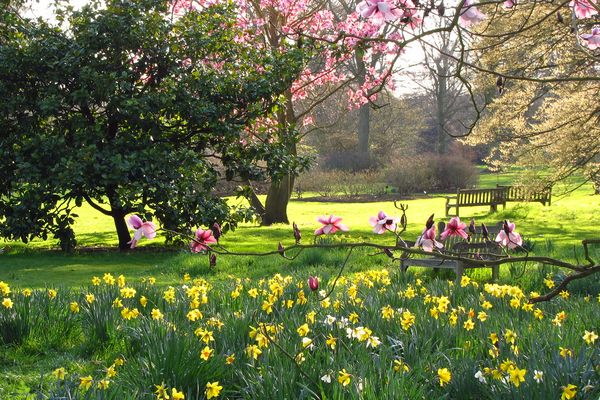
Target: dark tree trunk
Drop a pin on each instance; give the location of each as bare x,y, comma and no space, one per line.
118,214
278,198
363,113
442,95
280,191
122,229
363,133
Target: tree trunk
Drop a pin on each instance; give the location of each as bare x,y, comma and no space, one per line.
280,191
118,214
277,201
442,94
122,229
363,113
363,134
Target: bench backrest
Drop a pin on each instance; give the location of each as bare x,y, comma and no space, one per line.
476,244
481,197
523,193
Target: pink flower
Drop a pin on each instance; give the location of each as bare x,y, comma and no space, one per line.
380,11
203,238
382,222
509,3
141,228
508,237
331,225
469,14
454,228
427,240
592,39
583,8
313,283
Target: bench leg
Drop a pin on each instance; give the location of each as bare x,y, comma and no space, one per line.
403,266
493,208
459,269
495,273
457,213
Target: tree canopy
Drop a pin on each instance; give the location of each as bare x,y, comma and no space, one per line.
130,108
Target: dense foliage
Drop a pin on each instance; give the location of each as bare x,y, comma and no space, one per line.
128,107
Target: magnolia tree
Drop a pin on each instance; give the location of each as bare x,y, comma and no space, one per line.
355,48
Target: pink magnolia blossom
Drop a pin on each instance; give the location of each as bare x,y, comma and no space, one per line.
454,228
583,8
380,11
427,240
141,228
331,225
509,4
508,237
592,40
383,222
470,14
203,238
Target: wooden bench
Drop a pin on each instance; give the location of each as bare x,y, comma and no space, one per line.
524,194
477,197
476,248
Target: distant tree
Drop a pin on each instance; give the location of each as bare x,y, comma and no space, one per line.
126,106
543,111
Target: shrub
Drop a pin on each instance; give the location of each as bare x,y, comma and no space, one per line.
454,172
430,172
345,183
410,175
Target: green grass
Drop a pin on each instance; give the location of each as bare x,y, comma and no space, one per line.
556,230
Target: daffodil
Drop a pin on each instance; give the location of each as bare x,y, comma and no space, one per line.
213,389
103,384
230,359
444,376
331,342
408,319
206,353
538,376
156,314
590,337
517,376
74,307
344,377
85,382
469,324
303,330
569,392
59,374
253,351
565,352
401,366
176,395
7,303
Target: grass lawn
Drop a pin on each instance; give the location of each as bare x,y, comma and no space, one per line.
555,230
